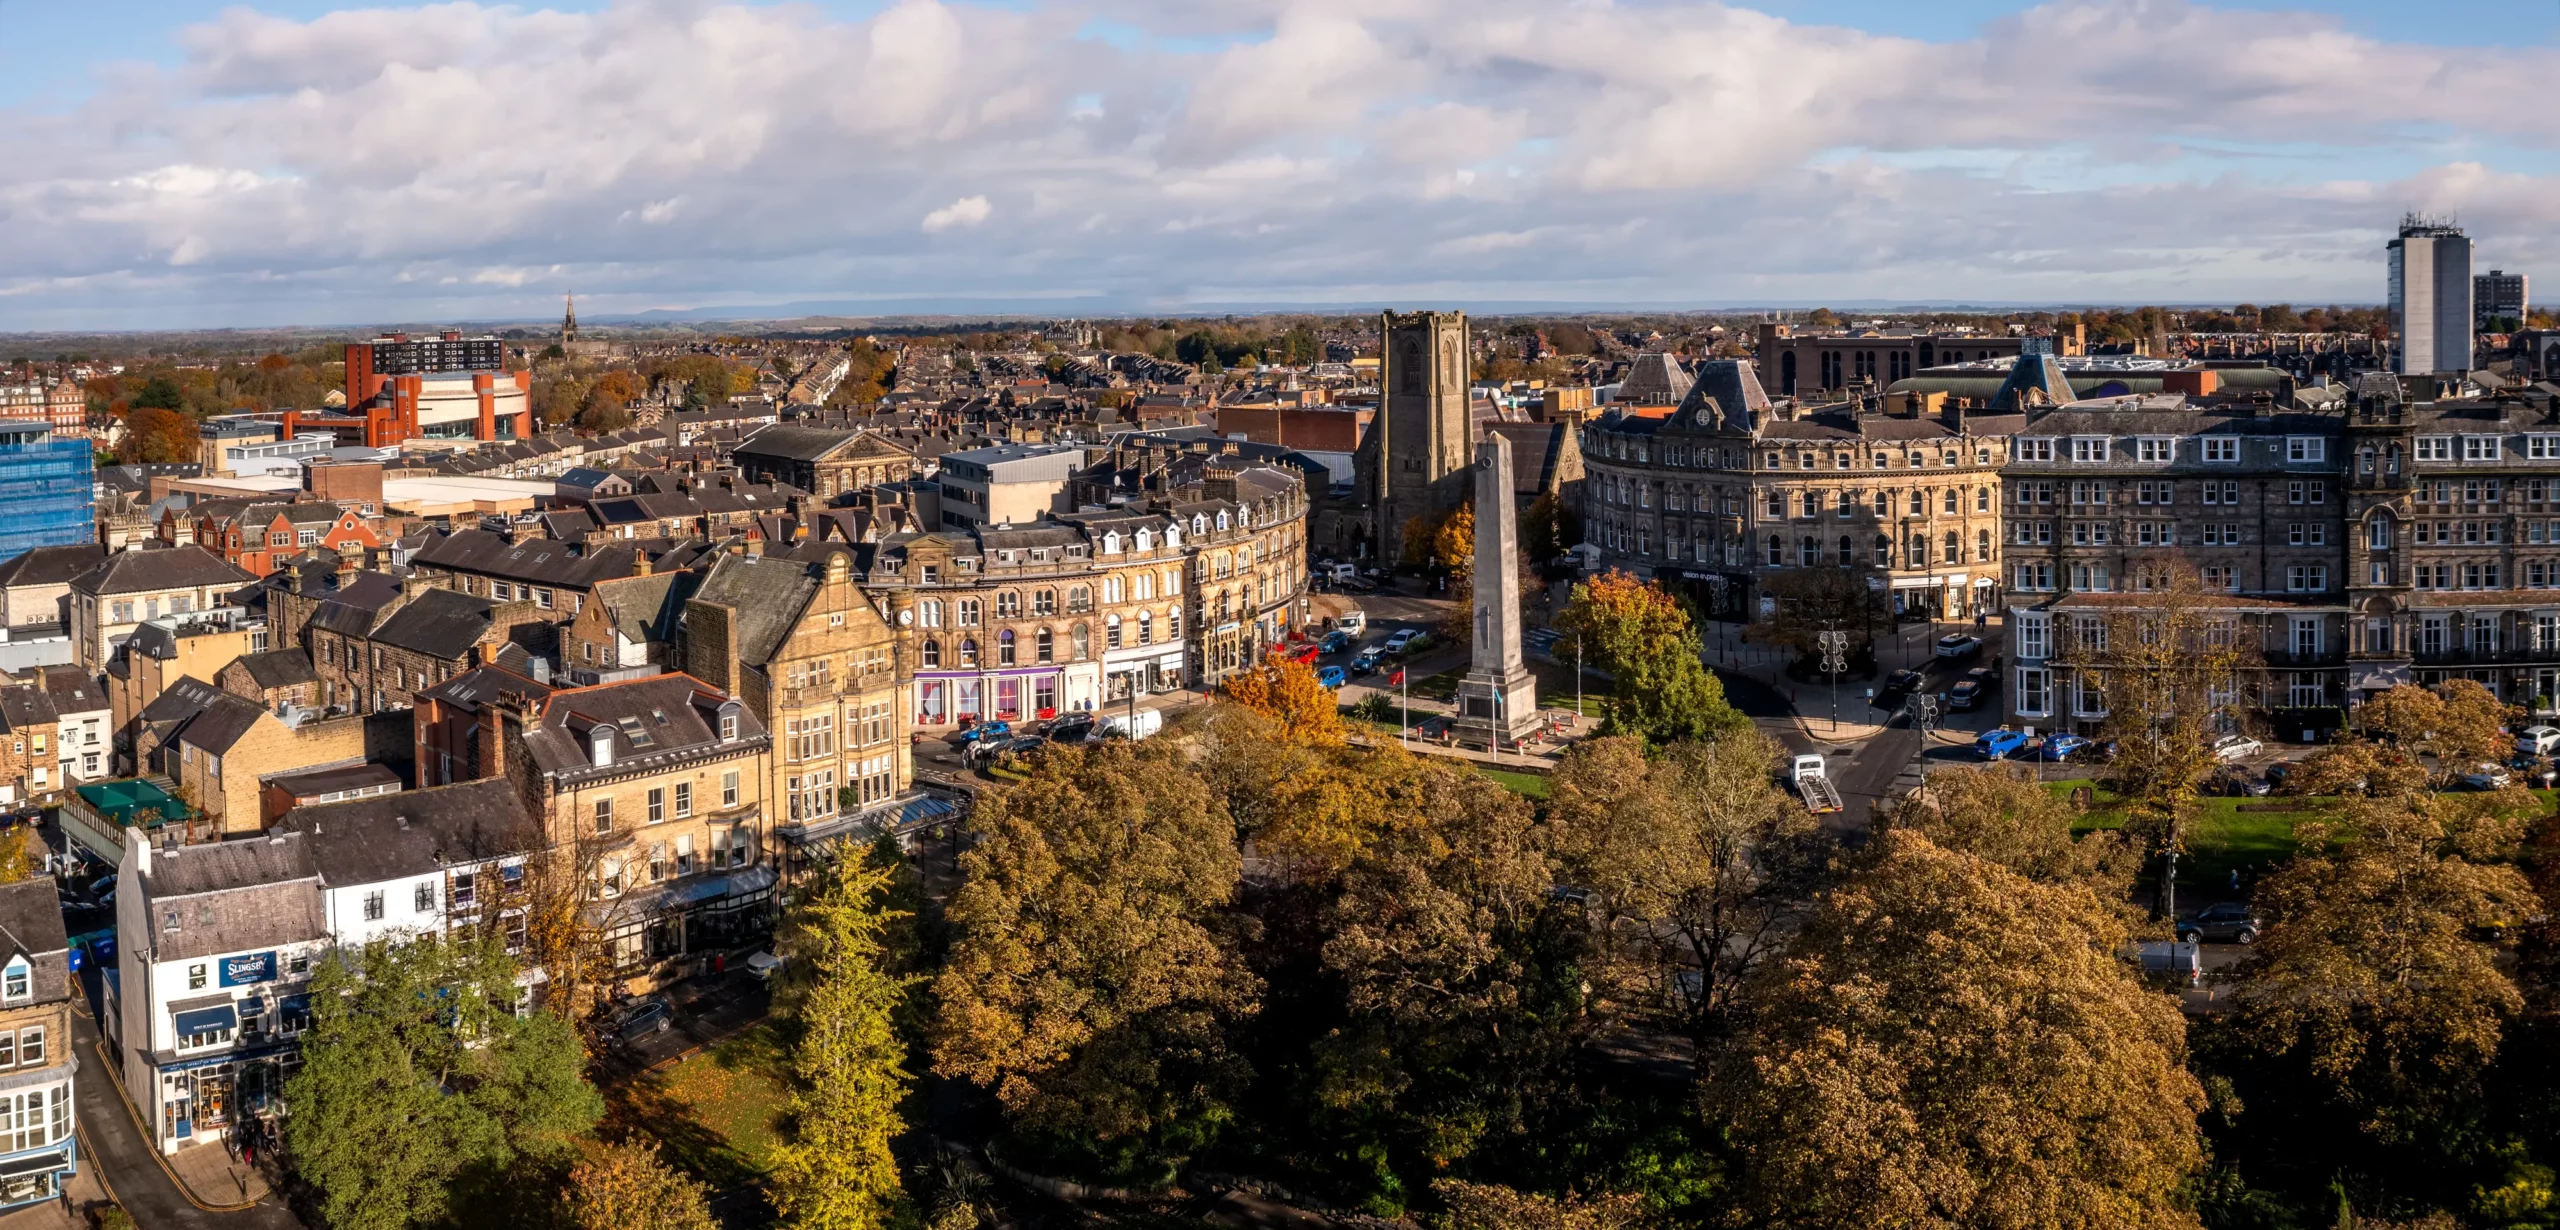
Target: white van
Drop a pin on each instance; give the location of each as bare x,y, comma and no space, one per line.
1354,621
1340,572
1130,726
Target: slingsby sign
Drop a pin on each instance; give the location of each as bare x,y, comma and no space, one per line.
248,968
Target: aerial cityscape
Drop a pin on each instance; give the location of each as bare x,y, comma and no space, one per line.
1242,616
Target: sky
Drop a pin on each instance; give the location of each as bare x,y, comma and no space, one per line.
176,164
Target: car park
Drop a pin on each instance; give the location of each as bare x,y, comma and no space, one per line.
2236,747
2227,922
2060,746
1957,646
1970,690
1996,744
1332,677
2486,776
2538,740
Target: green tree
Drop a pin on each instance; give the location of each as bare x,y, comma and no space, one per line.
419,1083
629,1187
1090,984
1643,637
836,1172
159,393
1948,1044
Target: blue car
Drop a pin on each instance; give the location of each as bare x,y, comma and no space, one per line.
2060,747
1332,677
1336,642
1996,744
994,730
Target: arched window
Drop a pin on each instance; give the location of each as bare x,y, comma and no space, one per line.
1044,601
966,611
1919,550
1004,647
1777,551
1173,623
1982,546
1884,551
1807,554
1008,604
1949,504
1044,646
2378,532
1080,642
1982,499
1111,590
1199,523
1111,632
929,612
1146,540
1919,502
1848,554
1954,547
969,651
1222,520
932,652
1079,598
1111,543
1146,628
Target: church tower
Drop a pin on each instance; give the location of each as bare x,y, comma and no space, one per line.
569,324
1415,461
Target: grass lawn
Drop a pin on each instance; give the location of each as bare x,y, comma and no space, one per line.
1533,785
717,1113
1441,687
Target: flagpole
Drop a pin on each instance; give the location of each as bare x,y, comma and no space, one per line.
1404,704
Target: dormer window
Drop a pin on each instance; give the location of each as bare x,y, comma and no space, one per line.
1145,540
17,982
728,727
1222,520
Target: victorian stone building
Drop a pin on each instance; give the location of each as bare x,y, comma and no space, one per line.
1719,494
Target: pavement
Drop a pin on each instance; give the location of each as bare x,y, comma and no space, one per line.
135,1175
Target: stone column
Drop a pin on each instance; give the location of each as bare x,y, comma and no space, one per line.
1498,698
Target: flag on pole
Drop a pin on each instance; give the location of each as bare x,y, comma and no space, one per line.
1397,679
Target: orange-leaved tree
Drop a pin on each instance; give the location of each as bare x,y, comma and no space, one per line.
1287,692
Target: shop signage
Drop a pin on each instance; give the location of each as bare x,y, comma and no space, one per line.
252,967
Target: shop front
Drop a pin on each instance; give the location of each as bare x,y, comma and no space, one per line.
692,919
957,699
1142,671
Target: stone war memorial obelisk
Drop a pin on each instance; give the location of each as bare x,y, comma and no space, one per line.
1498,699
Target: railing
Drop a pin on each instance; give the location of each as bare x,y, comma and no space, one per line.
2286,658
2486,657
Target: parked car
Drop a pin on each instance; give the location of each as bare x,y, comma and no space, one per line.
1970,690
1367,661
1335,641
1995,744
764,965
2538,740
1332,677
2060,746
1402,637
2486,776
1305,655
2228,922
2280,770
649,1016
2236,781
1957,646
1073,728
1131,726
996,728
2236,747
2178,963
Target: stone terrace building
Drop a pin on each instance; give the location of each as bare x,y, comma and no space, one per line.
2109,497
1728,488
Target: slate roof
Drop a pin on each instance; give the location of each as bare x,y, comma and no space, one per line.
389,836
128,572
31,917
342,777
1655,379
49,565
469,689
278,668
185,696
655,721
221,724
441,623
72,690
234,896
793,443
647,609
26,707
768,594
537,560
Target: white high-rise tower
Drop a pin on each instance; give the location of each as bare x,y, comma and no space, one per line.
2431,297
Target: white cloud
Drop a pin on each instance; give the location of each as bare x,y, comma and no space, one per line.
464,159
968,211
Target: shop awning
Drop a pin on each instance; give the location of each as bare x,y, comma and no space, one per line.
39,1163
206,1020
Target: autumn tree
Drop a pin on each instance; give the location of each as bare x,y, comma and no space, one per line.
2458,720
2002,815
1286,691
835,1172
1694,861
419,1078
1948,1043
1547,528
628,1186
1453,545
2379,979
1642,636
157,436
1089,984
2167,665
1487,1206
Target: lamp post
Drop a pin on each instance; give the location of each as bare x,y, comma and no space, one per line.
1834,644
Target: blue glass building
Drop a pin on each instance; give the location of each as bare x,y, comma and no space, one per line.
45,489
